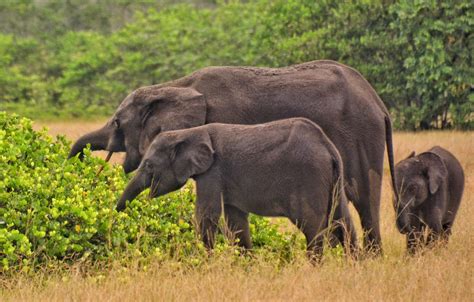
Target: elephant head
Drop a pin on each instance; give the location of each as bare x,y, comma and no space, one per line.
418,177
141,116
170,161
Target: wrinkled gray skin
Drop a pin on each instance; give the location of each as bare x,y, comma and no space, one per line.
286,168
334,96
431,185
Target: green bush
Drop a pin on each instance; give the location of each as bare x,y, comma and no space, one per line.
55,209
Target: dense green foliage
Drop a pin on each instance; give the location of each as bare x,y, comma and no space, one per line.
52,208
82,58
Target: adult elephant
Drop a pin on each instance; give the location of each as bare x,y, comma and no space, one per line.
333,95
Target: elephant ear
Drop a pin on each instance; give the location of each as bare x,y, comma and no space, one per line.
168,108
192,156
146,137
435,169
172,108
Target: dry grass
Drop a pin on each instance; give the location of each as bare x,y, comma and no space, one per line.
438,275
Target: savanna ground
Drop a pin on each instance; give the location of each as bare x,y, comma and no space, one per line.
444,274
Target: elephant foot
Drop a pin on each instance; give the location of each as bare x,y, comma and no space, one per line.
372,249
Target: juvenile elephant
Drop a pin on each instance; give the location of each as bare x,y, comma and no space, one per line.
431,185
284,168
333,95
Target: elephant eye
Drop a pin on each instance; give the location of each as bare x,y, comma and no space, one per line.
117,123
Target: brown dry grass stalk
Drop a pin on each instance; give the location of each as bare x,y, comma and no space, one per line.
438,275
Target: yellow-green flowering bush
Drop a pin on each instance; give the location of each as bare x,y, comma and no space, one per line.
54,208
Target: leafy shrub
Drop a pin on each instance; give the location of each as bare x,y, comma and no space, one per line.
52,208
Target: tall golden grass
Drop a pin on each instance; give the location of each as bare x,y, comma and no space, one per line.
443,274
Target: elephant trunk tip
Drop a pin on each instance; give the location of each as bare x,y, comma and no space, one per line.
120,206
74,151
402,226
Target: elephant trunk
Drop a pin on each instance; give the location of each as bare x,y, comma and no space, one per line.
140,182
98,140
403,223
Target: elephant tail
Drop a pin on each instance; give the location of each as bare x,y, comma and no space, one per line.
338,194
388,139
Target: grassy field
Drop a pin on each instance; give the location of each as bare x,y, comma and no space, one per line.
437,275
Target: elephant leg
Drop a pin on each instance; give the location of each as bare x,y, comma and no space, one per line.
238,225
314,235
313,224
207,223
435,233
414,241
447,232
367,204
434,226
343,229
208,210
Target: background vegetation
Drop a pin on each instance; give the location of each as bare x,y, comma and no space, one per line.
81,58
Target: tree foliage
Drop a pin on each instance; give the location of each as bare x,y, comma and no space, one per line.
83,57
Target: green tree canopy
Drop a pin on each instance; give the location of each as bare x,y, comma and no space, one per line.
83,57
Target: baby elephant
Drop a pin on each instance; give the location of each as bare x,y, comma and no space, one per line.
284,168
431,186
